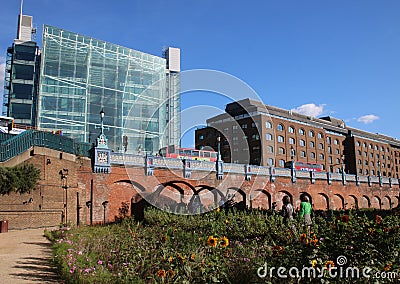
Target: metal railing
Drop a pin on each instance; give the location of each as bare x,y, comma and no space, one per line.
18,144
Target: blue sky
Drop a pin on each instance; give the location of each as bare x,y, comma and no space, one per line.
321,57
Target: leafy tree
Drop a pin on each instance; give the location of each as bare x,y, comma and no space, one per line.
19,179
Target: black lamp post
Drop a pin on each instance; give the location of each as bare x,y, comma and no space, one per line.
342,163
219,146
104,207
64,180
102,113
379,168
292,154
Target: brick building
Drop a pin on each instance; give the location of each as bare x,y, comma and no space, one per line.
259,134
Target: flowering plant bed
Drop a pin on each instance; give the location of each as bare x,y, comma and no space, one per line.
231,246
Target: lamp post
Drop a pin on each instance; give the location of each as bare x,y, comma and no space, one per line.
64,184
379,168
293,172
342,163
104,208
343,173
219,146
102,113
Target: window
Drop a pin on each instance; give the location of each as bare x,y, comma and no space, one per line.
291,129
376,147
244,126
270,162
373,172
329,149
301,131
387,149
201,137
235,140
281,139
358,144
311,133
312,145
337,151
320,136
291,140
256,148
254,124
268,136
302,143
280,127
371,155
359,162
365,145
303,154
255,137
366,162
281,150
321,156
330,160
226,130
312,155
268,124
282,163
320,146
328,140
336,142
370,146
270,149
358,152
365,154
382,149
235,128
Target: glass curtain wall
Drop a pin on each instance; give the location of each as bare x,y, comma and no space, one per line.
80,76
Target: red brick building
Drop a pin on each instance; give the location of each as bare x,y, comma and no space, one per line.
259,134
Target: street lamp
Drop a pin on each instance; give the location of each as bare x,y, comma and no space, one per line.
379,168
102,113
219,146
64,184
292,154
104,207
342,163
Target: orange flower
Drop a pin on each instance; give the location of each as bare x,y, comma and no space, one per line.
170,259
212,242
161,273
303,237
192,257
387,230
181,258
388,266
371,231
329,264
378,219
277,250
224,242
171,273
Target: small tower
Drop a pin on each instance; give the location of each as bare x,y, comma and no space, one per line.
102,162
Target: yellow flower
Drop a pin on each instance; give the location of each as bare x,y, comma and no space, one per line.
192,257
224,242
313,263
212,242
170,259
161,273
218,209
226,221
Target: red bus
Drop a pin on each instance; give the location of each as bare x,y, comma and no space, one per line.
188,153
303,166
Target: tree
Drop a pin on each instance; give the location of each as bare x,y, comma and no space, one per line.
19,179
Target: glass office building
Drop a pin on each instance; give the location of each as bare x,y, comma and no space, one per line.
80,76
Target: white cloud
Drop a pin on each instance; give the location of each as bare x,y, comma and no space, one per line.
310,109
369,118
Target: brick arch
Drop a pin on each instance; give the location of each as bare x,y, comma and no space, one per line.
365,202
263,200
353,202
376,202
398,202
279,198
240,203
386,202
338,201
323,200
215,191
310,199
134,183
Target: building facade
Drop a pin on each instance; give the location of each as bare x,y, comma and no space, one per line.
21,76
258,134
80,76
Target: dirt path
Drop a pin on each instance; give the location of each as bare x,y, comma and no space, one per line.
25,257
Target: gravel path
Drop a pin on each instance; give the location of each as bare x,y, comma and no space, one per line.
25,257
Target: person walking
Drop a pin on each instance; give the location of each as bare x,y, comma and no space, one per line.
305,212
288,212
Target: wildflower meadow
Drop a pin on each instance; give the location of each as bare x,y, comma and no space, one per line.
231,246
